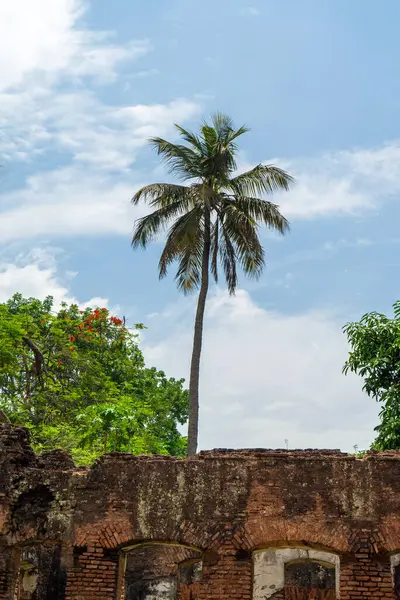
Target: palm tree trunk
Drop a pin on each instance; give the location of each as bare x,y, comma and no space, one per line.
193,427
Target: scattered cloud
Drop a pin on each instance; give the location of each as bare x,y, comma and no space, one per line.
341,244
68,202
76,122
45,39
343,183
266,376
35,275
50,107
99,142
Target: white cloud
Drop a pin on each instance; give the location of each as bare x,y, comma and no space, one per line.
43,45
45,37
91,132
331,246
100,142
342,183
89,192
35,275
320,194
89,201
69,202
85,198
266,376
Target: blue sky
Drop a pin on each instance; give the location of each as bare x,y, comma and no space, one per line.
84,84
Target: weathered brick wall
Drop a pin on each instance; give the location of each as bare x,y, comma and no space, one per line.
6,572
225,504
93,575
366,573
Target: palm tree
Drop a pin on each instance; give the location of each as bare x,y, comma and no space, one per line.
213,220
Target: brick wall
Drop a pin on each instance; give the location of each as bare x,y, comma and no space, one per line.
6,574
225,504
226,577
365,573
93,575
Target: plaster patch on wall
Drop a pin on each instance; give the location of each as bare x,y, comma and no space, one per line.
269,568
395,567
395,561
30,581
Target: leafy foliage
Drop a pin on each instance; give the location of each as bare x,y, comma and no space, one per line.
375,356
78,381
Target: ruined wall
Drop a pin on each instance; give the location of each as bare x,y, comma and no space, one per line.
212,522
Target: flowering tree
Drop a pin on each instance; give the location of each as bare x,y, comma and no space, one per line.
70,375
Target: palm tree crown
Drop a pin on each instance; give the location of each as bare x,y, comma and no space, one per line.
211,220
214,204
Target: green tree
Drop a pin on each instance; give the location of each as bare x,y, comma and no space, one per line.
77,380
213,220
375,356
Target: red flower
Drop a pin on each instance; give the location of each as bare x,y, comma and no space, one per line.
116,321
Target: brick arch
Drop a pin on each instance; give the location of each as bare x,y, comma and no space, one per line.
299,544
133,544
115,533
176,567
333,537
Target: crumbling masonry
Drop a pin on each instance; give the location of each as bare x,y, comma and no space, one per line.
224,525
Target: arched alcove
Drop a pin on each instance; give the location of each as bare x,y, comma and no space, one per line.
160,570
291,573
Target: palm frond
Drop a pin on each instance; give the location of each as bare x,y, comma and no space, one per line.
189,270
225,128
180,160
215,249
148,227
163,194
183,235
261,211
191,138
222,123
228,259
220,148
263,179
243,233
